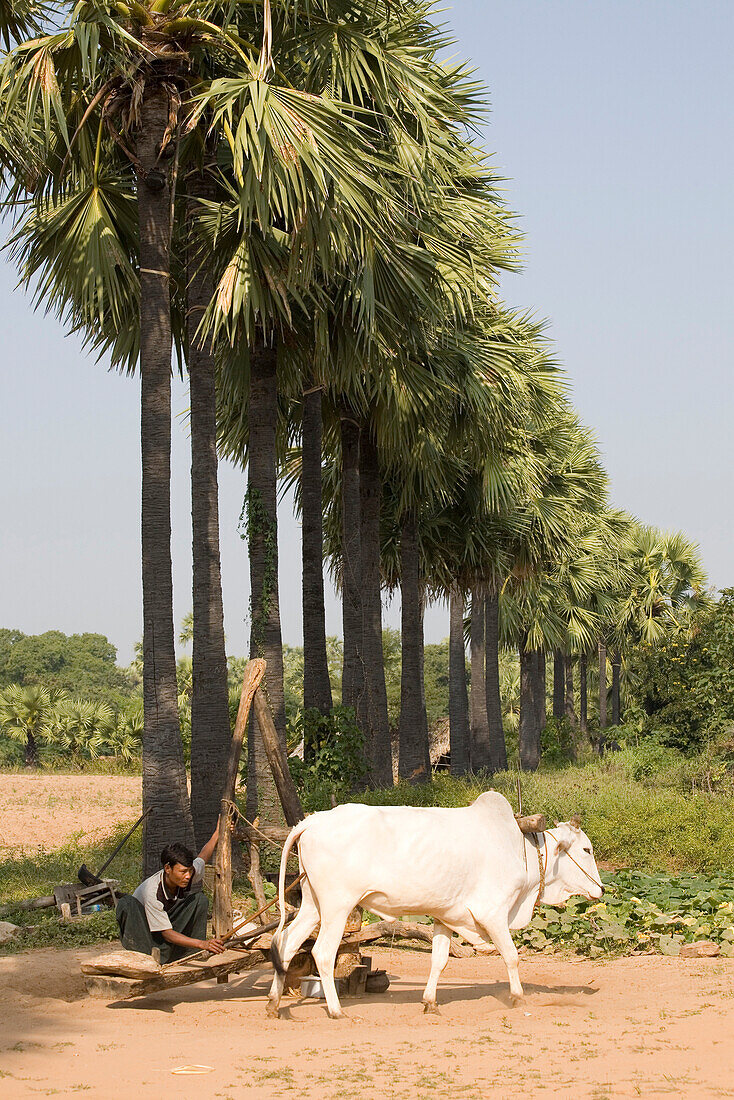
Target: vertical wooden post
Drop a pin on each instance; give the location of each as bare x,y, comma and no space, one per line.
222,909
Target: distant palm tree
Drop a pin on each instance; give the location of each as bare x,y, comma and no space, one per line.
25,712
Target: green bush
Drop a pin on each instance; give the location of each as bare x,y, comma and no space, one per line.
333,761
557,742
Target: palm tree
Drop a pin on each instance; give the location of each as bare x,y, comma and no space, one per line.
25,712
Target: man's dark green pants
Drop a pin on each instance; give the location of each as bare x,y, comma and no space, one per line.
188,916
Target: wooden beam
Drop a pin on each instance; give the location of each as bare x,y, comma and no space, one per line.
222,907
231,962
278,761
403,930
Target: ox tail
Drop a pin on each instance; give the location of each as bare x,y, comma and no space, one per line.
293,836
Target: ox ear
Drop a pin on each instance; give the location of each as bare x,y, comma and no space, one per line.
564,843
575,822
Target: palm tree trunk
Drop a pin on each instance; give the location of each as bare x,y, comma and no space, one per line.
262,529
616,677
583,694
316,683
479,750
540,687
164,776
414,759
210,729
602,686
559,673
602,696
497,745
458,694
31,750
352,673
529,730
377,730
569,707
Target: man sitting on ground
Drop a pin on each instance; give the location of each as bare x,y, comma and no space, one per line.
164,912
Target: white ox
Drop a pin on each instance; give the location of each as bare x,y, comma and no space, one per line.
463,867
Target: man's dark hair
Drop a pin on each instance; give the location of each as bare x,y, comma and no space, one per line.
177,853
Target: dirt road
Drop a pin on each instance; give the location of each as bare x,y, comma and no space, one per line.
648,1026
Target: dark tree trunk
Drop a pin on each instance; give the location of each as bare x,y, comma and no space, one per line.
262,529
374,707
569,706
211,735
602,698
414,759
352,673
479,750
583,694
540,687
458,694
529,731
497,746
616,678
164,775
316,683
602,686
559,683
31,750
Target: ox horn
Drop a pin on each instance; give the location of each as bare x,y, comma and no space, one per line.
575,821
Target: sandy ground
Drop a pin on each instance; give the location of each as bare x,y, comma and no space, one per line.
648,1026
47,811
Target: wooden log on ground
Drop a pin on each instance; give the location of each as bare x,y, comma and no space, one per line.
286,788
404,930
222,906
29,903
230,962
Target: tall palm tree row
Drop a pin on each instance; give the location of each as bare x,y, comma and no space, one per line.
288,203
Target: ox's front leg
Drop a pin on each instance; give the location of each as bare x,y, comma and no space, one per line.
499,930
291,939
324,954
439,958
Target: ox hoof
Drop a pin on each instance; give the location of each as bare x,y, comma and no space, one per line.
336,1015
272,1011
517,1000
431,1008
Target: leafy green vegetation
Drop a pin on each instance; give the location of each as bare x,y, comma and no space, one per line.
639,913
78,664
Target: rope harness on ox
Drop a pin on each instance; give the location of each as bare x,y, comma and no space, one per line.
543,864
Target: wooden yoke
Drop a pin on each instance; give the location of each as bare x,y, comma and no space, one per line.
222,908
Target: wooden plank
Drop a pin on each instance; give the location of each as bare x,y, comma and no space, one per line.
231,962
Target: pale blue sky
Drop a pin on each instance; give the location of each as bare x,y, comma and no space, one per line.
612,122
